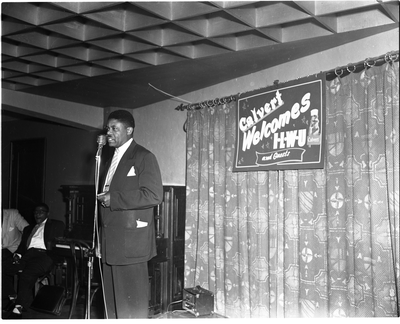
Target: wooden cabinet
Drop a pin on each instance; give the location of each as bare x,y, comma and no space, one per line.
166,270
80,200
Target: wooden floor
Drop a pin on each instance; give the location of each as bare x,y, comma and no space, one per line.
79,312
98,313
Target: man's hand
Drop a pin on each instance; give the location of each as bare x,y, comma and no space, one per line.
16,258
104,199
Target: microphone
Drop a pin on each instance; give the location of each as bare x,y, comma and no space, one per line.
101,140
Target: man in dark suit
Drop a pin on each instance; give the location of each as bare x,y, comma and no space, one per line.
31,260
132,188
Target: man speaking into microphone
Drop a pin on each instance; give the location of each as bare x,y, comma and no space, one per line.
132,187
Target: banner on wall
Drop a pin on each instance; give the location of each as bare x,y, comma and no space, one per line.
282,126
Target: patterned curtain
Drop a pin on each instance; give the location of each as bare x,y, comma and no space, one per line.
301,243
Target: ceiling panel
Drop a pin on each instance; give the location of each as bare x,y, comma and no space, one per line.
113,51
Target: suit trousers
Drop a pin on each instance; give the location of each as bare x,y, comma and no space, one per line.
34,264
126,290
6,254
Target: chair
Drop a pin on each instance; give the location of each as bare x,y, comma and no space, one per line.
76,253
80,272
77,270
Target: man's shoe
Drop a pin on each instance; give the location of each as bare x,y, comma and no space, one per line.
9,306
17,312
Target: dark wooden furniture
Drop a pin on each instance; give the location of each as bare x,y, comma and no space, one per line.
80,200
76,271
166,270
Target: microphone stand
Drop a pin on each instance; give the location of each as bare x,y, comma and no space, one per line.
95,245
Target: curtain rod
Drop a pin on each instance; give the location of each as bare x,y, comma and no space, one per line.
340,71
207,103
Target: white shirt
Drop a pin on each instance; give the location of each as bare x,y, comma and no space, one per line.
38,238
121,151
11,229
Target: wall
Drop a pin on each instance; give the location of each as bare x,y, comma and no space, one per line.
160,129
70,158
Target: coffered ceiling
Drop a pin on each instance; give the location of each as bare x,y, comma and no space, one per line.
117,54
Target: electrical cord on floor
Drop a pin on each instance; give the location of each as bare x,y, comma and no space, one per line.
179,311
175,302
168,312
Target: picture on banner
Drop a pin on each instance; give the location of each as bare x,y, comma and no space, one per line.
282,127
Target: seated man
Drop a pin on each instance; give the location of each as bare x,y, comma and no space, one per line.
33,257
12,225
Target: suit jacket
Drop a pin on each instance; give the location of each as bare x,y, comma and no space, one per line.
52,229
127,232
